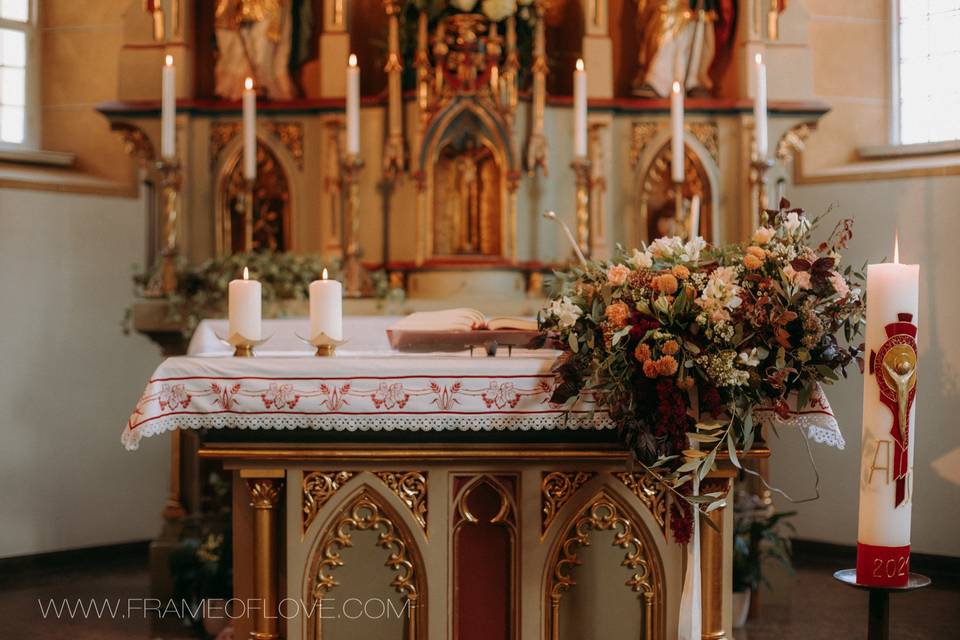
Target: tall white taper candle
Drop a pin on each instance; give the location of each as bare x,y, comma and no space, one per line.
353,106
244,307
249,130
676,132
580,110
760,106
168,110
883,537
326,308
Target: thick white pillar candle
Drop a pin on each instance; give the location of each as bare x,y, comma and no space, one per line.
326,308
886,470
353,106
249,130
168,111
580,110
760,106
676,132
244,307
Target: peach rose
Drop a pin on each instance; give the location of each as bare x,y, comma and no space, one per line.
617,274
757,251
670,347
681,272
617,313
752,262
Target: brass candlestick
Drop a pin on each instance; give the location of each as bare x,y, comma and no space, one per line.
581,169
170,184
326,346
350,169
242,346
759,165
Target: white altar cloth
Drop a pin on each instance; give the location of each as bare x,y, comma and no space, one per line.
365,387
368,386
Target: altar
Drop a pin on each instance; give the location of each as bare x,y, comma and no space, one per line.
417,496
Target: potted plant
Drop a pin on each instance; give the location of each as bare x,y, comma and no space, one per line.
759,534
202,563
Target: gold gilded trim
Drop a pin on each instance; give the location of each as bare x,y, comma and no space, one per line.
706,133
318,487
603,513
654,495
264,492
289,134
556,488
366,513
411,488
136,143
794,141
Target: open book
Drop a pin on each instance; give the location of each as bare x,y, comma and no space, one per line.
461,320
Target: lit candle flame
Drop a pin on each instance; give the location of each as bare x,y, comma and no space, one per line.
676,87
758,58
579,64
248,84
246,273
352,60
324,273
896,248
169,61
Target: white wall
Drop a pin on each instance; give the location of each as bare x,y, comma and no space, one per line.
69,377
925,210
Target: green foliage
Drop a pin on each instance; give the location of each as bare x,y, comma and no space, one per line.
760,535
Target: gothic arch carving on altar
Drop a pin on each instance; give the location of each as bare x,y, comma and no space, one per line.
605,511
274,196
467,175
651,157
366,509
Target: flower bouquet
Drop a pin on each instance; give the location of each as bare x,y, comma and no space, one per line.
681,341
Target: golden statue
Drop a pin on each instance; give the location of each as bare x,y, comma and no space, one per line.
467,200
677,40
254,39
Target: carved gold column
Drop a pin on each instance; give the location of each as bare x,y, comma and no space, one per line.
598,187
266,488
170,183
393,156
581,169
758,178
537,144
353,270
511,65
712,551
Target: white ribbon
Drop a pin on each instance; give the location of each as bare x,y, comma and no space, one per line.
688,627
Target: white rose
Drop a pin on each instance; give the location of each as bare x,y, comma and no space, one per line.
641,259
763,235
565,312
497,10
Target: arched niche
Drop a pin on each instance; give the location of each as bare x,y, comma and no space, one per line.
394,579
605,534
485,559
467,178
655,191
272,201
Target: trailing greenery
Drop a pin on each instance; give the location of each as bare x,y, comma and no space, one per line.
759,535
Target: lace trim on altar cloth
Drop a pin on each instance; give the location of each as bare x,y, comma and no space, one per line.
395,422
816,420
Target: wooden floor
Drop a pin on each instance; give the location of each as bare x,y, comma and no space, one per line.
819,607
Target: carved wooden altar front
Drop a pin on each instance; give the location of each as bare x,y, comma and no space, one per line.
463,541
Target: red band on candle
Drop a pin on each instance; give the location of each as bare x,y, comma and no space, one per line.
883,566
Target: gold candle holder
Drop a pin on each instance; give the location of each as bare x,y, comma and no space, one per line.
326,346
242,347
581,169
353,270
759,166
